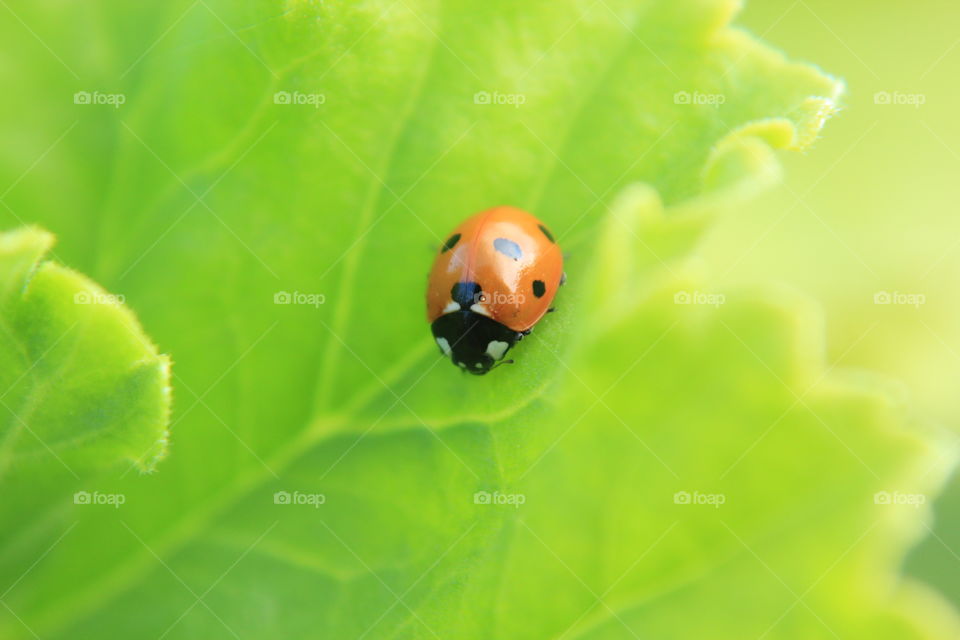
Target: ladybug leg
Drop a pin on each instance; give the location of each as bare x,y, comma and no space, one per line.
563,279
551,309
521,334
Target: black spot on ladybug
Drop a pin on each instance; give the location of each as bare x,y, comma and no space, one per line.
465,293
450,243
546,232
539,288
508,248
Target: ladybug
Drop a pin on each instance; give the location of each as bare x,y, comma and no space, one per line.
491,282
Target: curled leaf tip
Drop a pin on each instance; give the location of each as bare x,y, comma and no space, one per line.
90,387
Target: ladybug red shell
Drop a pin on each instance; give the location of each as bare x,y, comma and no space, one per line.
492,280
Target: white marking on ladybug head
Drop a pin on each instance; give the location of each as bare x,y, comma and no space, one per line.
451,306
479,308
462,365
496,349
478,365
444,345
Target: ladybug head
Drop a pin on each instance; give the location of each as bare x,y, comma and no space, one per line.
474,342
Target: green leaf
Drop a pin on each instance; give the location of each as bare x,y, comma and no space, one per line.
326,461
83,387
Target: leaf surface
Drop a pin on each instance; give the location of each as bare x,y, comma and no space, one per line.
317,153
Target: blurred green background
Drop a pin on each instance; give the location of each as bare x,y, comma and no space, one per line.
873,208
